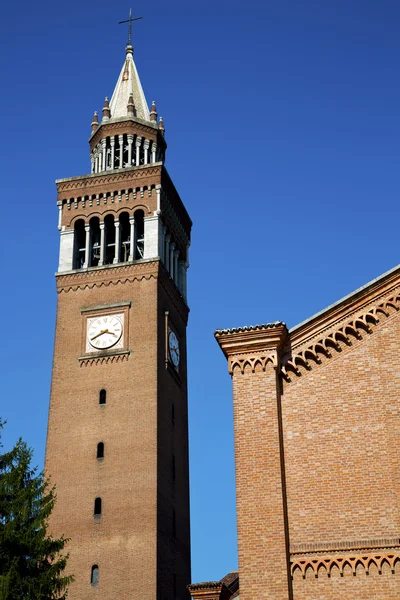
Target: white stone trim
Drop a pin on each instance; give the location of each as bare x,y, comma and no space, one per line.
66,257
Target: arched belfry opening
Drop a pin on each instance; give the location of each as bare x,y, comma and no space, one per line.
125,229
94,250
79,244
109,234
139,234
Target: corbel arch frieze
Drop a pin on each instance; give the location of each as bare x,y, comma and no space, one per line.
98,284
323,565
250,362
101,360
343,336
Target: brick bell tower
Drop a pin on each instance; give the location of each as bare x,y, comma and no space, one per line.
117,442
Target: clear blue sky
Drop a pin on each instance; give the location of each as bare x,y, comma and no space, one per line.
282,119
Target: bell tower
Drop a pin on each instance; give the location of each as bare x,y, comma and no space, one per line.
117,441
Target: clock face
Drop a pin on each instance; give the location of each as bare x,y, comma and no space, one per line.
173,346
104,332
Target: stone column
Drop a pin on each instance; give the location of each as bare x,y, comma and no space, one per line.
102,245
138,144
99,169
86,264
117,243
112,144
92,162
121,151
146,146
166,251
96,162
153,152
103,153
59,204
130,142
171,259
133,241
158,192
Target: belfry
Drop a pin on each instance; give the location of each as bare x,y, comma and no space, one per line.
117,442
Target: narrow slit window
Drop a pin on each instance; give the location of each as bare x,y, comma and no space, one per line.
100,450
103,397
97,507
94,577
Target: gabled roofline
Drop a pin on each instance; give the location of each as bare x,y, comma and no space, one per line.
349,303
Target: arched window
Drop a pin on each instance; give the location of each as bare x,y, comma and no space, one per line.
97,507
102,397
139,234
125,230
94,242
109,228
79,244
94,577
100,450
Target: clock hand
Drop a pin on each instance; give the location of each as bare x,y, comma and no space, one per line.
101,333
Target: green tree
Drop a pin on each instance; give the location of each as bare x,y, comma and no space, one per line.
31,563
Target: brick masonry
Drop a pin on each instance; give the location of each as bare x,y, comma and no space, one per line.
317,423
142,549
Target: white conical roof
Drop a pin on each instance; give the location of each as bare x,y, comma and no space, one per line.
129,83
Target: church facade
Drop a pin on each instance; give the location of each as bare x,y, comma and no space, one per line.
117,442
317,432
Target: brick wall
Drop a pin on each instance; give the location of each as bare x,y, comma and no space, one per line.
324,493
124,542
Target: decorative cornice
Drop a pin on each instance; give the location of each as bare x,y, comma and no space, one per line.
338,337
339,546
251,339
315,566
205,585
103,360
117,126
86,309
98,277
81,181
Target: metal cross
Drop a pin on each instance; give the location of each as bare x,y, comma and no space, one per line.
130,25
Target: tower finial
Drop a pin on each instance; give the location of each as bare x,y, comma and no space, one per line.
106,110
130,20
95,121
161,126
153,112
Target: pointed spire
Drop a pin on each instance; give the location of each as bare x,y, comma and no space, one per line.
131,107
106,110
153,112
161,126
95,122
129,84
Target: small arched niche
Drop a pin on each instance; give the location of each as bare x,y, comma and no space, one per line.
94,576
